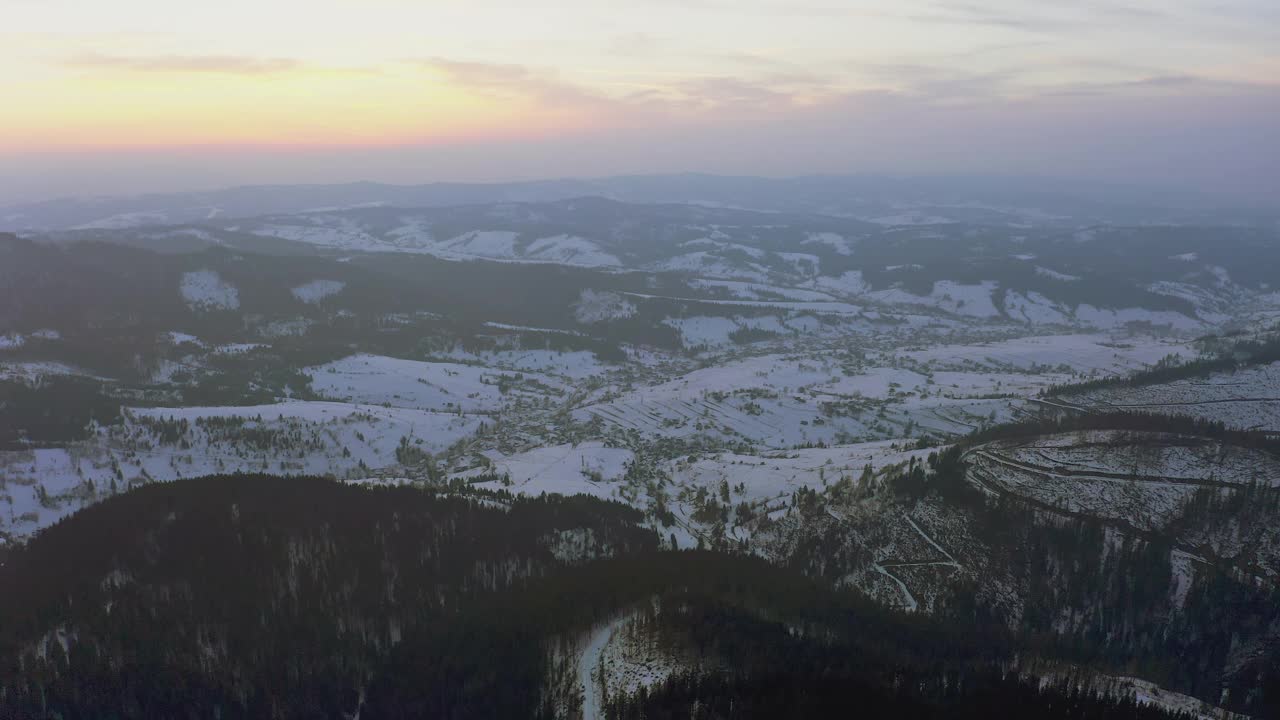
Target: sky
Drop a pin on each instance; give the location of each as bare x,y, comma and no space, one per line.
144,95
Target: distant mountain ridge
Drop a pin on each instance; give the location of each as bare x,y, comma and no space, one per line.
867,197
1094,275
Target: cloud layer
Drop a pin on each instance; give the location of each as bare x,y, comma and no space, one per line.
229,64
1182,91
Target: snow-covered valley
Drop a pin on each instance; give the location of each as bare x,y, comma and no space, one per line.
1062,429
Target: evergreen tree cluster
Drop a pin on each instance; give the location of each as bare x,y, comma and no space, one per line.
258,596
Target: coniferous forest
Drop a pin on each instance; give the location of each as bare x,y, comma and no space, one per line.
256,596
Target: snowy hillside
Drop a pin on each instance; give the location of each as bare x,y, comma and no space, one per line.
205,290
1248,398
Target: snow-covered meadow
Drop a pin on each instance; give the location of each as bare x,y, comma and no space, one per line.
1247,399
40,486
442,387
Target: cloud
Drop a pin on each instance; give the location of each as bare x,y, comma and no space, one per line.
764,89
737,94
959,13
1037,18
682,96
511,80
636,44
936,80
224,64
1177,84
1223,143
940,83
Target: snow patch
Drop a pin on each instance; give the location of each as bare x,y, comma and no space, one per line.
317,290
949,296
838,242
484,243
567,250
124,220
1113,319
595,306
206,290
1055,275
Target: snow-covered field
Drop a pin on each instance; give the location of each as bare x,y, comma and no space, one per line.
817,307
761,291
1144,480
976,301
954,298
338,233
765,482
757,400
595,306
566,250
702,331
1248,398
317,290
32,372
779,401
575,364
590,468
1083,353
443,387
206,290
1108,318
764,410
416,235
39,486
711,265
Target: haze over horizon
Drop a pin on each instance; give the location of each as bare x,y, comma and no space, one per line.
133,97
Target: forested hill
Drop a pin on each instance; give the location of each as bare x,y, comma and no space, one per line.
254,592
260,597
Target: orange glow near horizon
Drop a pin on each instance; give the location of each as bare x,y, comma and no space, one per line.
336,73
115,109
